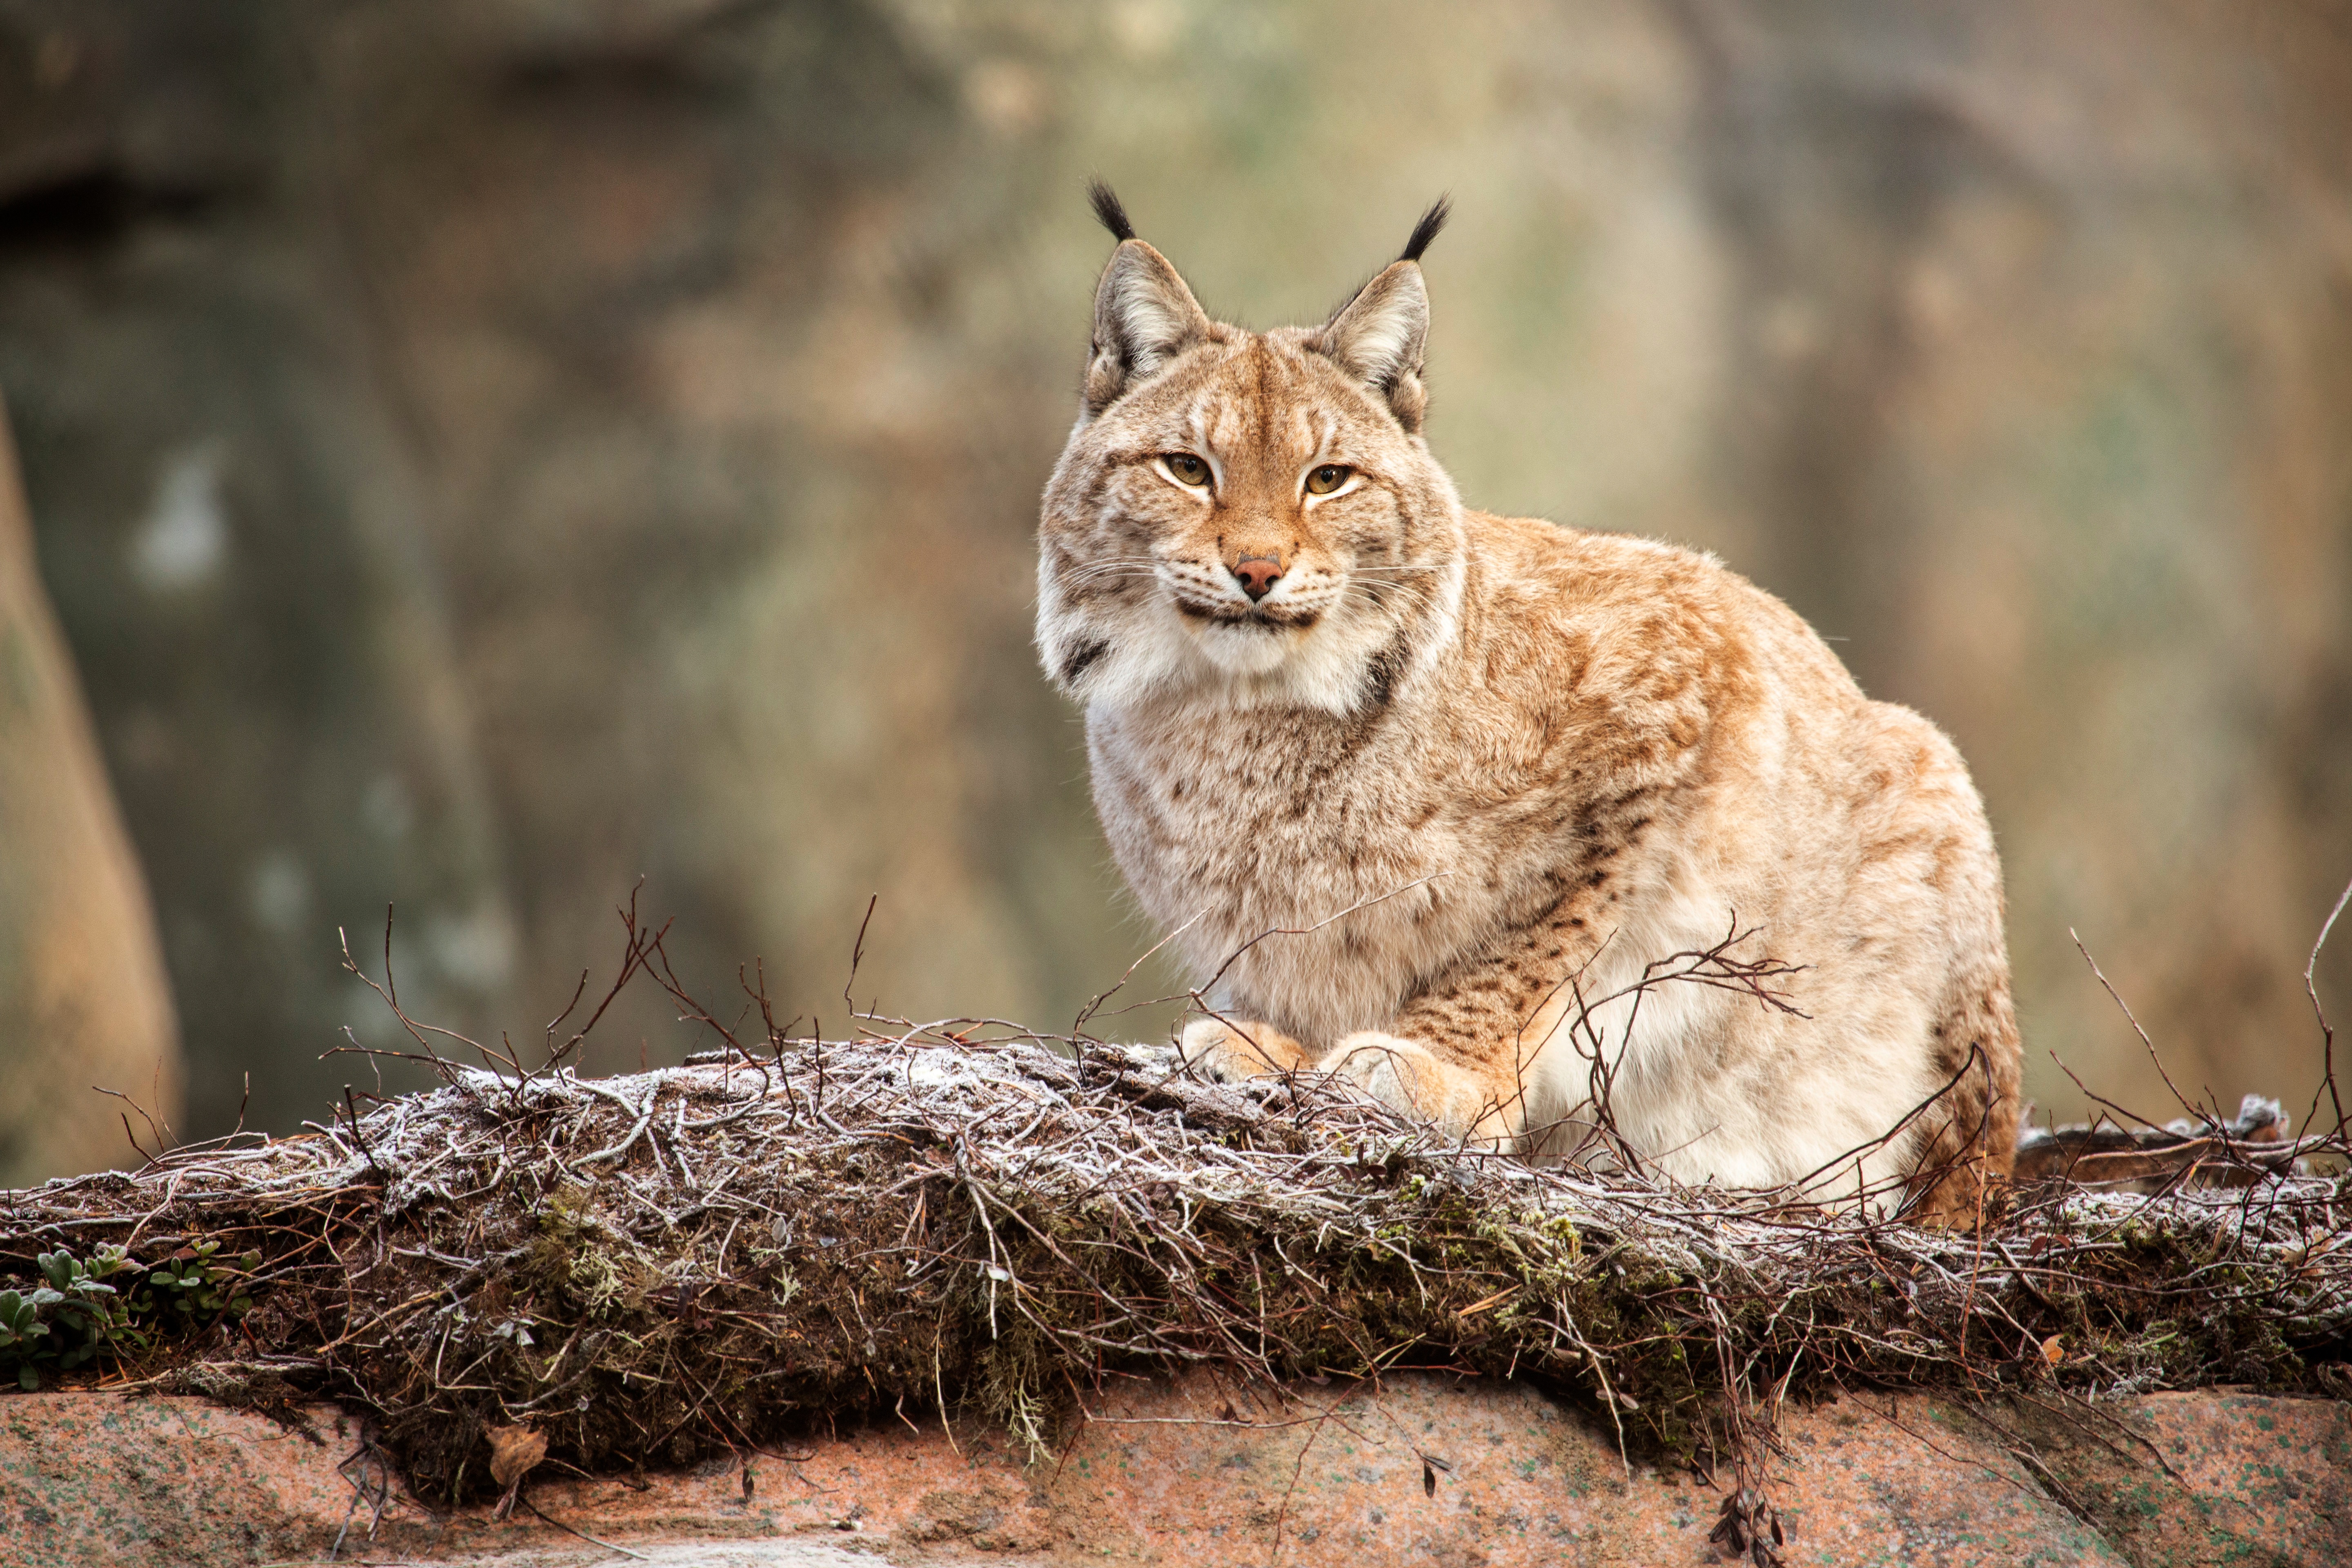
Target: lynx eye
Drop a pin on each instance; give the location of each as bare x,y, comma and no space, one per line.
1322,481
1187,468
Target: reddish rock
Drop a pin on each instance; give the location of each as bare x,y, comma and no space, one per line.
1425,1470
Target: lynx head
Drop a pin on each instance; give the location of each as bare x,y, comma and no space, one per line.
1248,517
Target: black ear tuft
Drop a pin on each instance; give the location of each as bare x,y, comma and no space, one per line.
1113,217
1422,232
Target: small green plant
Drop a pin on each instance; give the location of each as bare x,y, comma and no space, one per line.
110,1304
186,1292
62,1321
20,1329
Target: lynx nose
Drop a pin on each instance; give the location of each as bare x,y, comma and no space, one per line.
1257,574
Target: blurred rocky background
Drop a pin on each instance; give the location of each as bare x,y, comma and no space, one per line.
482,454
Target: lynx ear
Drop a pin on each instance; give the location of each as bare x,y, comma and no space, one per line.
1377,336
1144,317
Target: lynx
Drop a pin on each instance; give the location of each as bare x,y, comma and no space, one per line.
1562,840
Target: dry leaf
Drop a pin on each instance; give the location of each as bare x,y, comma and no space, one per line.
2052,1352
513,1451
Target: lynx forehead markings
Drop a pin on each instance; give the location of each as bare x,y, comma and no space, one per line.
1504,786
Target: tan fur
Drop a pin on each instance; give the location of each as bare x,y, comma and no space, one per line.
1478,772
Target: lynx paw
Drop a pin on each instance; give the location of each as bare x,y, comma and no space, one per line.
1223,1053
1403,1075
1388,1070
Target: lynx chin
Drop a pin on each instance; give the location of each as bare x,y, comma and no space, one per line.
1506,791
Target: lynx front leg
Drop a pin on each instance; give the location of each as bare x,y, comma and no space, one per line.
1227,1053
1465,1053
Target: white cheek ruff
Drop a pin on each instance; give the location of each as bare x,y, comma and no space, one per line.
1123,655
1152,652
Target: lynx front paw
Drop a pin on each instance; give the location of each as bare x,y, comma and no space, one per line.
1227,1053
1403,1076
1388,1070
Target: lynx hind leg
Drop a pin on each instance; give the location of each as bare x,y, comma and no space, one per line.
1227,1053
1407,1075
1967,1139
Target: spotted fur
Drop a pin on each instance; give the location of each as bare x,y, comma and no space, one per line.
1477,774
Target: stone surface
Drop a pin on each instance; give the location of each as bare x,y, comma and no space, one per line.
83,996
2243,1478
1425,1470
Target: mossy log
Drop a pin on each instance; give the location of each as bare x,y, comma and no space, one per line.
654,1268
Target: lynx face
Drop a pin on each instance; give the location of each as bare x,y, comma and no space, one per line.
1250,518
